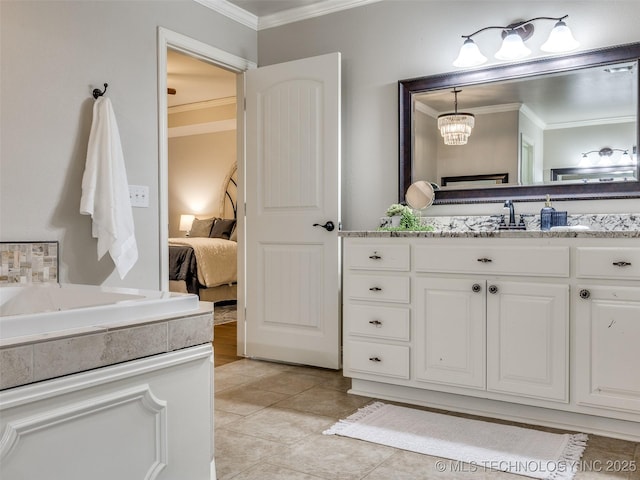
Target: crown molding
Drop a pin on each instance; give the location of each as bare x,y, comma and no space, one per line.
232,11
309,11
254,22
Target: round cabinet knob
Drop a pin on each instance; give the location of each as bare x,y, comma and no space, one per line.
584,293
476,287
493,289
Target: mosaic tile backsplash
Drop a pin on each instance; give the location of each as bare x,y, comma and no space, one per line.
28,262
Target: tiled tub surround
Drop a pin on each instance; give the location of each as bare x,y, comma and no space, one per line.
625,225
28,262
137,383
42,345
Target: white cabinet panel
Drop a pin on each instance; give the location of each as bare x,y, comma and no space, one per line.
606,262
608,347
527,339
378,321
377,358
378,256
450,332
378,288
492,259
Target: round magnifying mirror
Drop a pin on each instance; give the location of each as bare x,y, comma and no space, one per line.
420,195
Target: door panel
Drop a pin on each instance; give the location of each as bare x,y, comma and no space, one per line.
292,183
528,340
450,332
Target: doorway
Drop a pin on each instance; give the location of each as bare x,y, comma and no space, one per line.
172,46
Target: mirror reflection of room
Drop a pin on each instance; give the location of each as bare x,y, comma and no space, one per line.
529,131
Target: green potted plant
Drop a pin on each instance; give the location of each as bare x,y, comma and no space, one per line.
403,218
396,211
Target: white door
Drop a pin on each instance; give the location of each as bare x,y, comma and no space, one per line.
293,182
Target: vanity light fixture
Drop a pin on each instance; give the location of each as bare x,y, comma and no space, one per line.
605,154
513,47
456,127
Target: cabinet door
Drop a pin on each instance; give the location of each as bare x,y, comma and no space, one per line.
527,339
607,347
450,331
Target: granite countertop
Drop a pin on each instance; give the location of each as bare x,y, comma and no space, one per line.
493,234
578,226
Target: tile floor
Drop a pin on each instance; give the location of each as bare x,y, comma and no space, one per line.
269,420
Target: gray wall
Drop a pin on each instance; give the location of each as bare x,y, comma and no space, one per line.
398,39
53,54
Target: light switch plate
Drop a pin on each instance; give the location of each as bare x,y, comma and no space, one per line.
139,195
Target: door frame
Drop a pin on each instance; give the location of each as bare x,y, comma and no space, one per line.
168,39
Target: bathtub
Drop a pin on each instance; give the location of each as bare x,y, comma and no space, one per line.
42,309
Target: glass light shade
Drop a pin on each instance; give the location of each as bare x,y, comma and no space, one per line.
469,55
560,40
513,48
185,222
455,128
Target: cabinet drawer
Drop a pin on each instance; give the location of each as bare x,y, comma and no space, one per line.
376,321
607,262
377,257
379,288
378,359
496,260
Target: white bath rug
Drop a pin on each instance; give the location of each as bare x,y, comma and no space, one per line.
478,444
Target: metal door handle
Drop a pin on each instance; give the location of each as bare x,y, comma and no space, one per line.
377,323
375,359
329,226
485,260
375,256
375,289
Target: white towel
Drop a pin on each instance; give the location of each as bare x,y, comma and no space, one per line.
105,190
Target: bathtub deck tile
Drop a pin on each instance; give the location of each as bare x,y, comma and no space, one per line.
71,355
16,366
185,332
46,356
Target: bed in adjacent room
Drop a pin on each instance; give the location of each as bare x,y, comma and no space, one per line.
206,262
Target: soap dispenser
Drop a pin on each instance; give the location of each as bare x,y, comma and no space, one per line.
546,215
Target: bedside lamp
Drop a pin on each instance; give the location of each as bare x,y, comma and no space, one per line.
185,223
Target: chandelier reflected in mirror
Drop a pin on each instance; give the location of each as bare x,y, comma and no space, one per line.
456,127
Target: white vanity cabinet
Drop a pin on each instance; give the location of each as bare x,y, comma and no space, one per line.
507,333
607,328
497,326
376,294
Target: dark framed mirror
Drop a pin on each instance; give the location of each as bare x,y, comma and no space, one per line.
532,120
